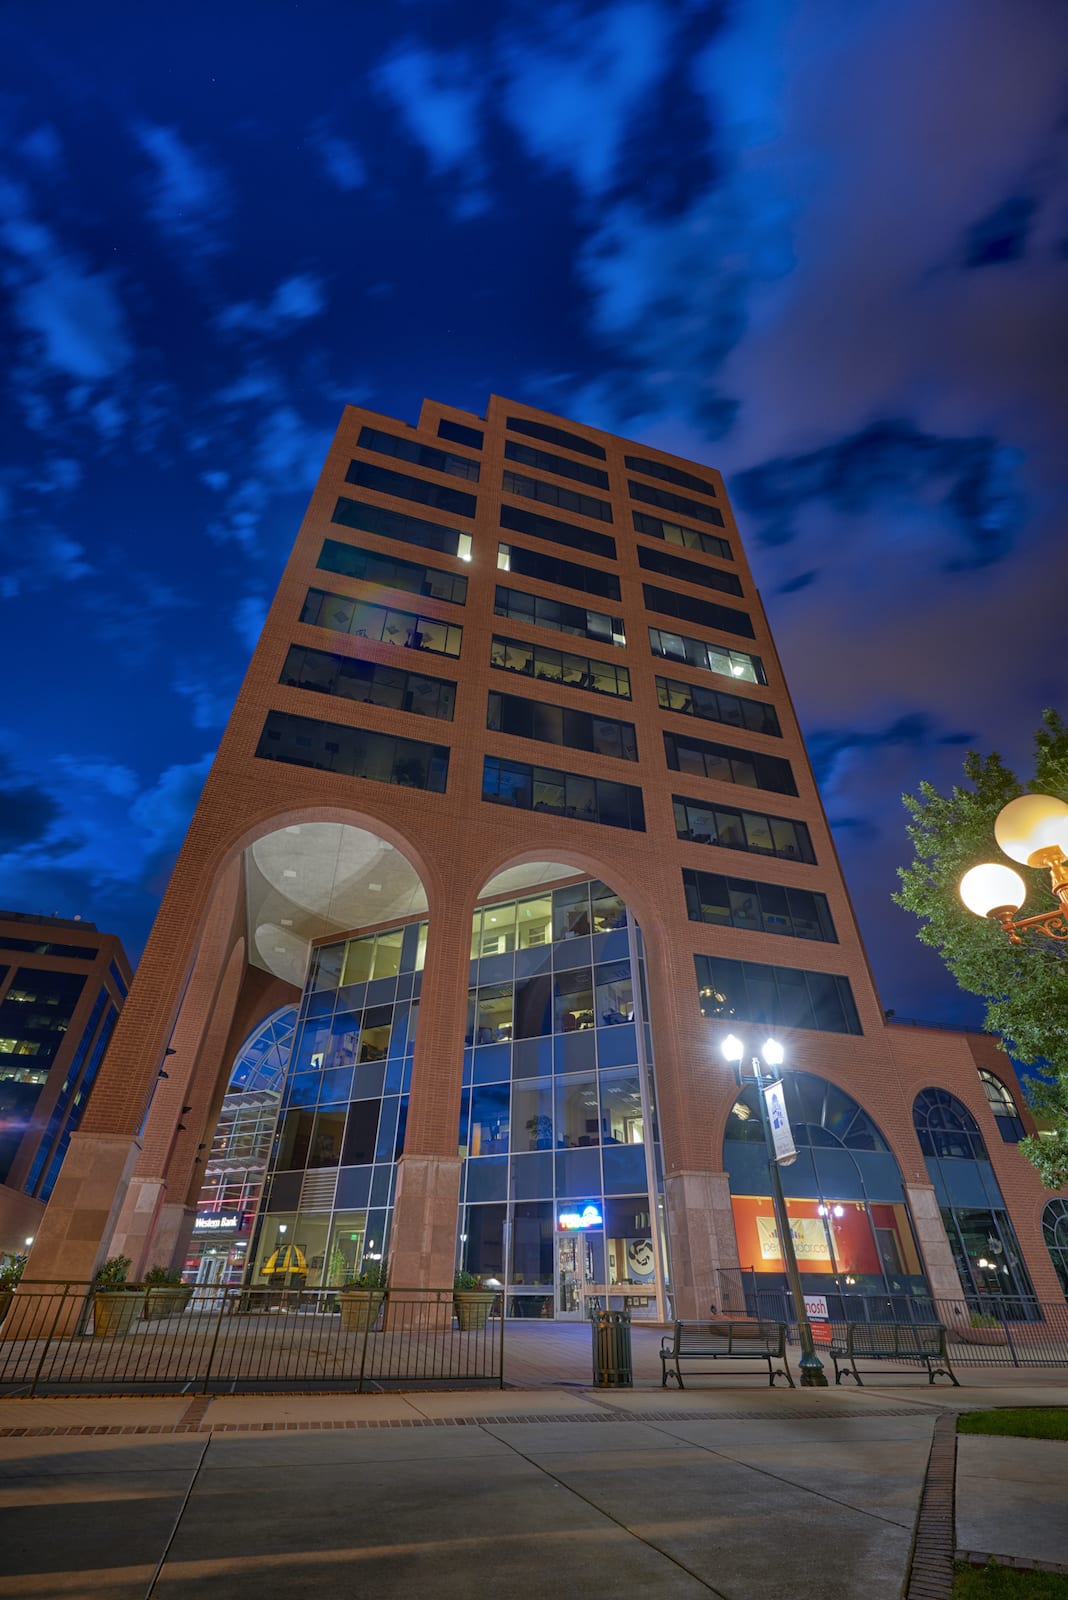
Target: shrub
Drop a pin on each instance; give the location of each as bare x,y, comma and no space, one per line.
112,1275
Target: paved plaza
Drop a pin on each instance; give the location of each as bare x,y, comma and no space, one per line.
728,1488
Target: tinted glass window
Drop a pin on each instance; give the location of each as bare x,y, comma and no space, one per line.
551,569
674,502
728,764
559,666
784,997
565,794
760,907
715,705
578,730
343,614
423,455
686,538
708,657
724,618
729,828
404,487
657,469
396,525
357,752
560,436
555,494
557,614
688,571
370,682
391,572
545,461
459,434
557,532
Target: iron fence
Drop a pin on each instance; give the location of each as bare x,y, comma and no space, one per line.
62,1338
983,1330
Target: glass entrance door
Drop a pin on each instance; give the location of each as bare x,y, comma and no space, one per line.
569,1267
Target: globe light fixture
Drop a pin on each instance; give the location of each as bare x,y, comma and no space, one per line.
1033,830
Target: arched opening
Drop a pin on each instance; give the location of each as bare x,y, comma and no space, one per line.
560,1196
1055,1233
1002,1104
846,1202
976,1219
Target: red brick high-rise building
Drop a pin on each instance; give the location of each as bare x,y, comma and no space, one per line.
514,801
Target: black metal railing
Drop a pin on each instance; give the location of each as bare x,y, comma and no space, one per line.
64,1338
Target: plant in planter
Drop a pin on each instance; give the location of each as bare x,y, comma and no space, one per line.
982,1329
10,1274
167,1295
473,1301
116,1303
361,1299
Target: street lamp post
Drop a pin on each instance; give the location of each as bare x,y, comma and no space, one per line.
812,1373
1033,830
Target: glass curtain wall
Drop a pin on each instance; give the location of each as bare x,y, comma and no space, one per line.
845,1200
555,1119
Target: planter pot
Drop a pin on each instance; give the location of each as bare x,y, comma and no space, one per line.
360,1308
982,1336
169,1300
473,1307
6,1297
115,1311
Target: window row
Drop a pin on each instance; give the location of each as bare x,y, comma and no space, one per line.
369,958
758,907
662,561
558,615
557,666
777,997
716,658
562,725
725,762
685,538
564,794
369,682
554,494
69,952
420,455
558,916
699,822
402,486
674,502
714,705
553,531
398,525
657,469
562,1002
365,621
545,461
547,1114
724,618
352,1136
457,433
390,572
560,436
357,752
551,569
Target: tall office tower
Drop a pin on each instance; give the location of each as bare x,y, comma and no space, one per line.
62,986
514,804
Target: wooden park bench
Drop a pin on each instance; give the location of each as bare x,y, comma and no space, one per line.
923,1342
724,1341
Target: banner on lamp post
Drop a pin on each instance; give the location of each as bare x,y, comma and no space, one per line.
782,1136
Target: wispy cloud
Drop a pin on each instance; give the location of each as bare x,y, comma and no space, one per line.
296,300
188,196
342,162
438,95
38,563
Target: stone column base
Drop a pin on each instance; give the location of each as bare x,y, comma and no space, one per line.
135,1230
422,1243
939,1265
701,1241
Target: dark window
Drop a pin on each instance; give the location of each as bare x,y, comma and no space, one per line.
78,1104
545,461
707,615
558,666
675,502
331,747
458,434
370,682
342,614
69,952
688,571
557,614
999,1098
946,1128
657,469
391,572
557,532
783,997
578,730
759,907
551,569
421,455
404,487
396,525
728,764
731,828
564,794
716,658
560,436
554,494
686,538
715,705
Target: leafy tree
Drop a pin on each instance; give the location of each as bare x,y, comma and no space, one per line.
1026,985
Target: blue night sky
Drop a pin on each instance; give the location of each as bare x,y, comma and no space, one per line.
821,246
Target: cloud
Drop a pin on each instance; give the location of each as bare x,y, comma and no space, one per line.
211,698
189,197
57,475
438,95
162,812
250,614
43,148
296,300
342,162
1002,234
40,562
215,480
26,810
576,81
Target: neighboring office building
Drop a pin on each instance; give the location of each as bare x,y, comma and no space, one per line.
515,759
62,986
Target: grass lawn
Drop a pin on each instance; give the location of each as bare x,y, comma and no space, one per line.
1005,1583
1031,1422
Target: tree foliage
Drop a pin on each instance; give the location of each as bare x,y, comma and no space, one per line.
1025,986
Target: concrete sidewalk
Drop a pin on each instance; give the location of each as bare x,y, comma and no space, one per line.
729,1489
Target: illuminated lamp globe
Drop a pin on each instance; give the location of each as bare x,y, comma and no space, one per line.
732,1048
992,888
773,1053
1032,823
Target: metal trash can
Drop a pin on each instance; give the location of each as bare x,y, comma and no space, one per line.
612,1365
